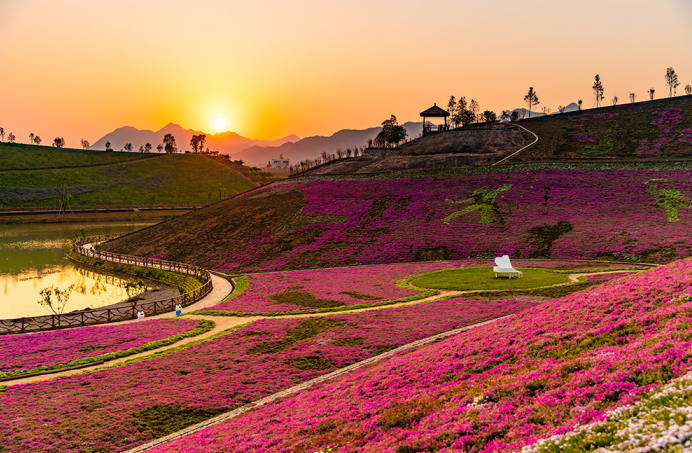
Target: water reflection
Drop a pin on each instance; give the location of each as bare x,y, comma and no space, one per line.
32,257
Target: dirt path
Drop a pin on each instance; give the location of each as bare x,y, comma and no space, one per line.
522,149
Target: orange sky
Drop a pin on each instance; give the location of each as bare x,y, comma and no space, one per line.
82,68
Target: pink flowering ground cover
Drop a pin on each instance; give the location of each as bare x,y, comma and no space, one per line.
328,288
118,408
58,347
493,388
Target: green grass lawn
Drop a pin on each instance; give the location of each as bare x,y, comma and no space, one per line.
483,278
15,156
176,179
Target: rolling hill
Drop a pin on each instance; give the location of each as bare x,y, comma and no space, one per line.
173,179
617,212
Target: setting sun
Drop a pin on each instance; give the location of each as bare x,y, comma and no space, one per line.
220,124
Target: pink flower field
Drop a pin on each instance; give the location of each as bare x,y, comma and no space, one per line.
119,408
493,388
328,287
45,349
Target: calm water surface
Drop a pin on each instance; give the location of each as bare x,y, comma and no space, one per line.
32,257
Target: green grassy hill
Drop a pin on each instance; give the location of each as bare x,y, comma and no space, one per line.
630,212
178,179
14,156
652,130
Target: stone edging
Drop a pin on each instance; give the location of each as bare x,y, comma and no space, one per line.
239,411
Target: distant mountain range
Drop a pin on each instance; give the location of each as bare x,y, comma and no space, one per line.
253,152
312,147
224,142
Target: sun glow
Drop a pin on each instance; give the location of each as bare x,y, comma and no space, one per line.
220,124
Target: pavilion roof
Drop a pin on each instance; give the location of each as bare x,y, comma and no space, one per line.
434,111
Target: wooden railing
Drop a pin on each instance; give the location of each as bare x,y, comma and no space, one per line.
85,247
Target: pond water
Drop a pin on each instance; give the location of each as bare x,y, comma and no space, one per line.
32,257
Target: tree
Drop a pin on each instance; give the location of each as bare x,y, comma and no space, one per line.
671,79
651,93
31,137
159,147
598,90
37,140
515,115
531,99
506,116
452,106
147,147
474,107
194,143
85,144
392,133
169,144
108,146
547,110
688,91
561,108
58,142
202,139
141,148
128,147
579,103
467,117
2,133
56,307
489,116
633,96
615,100
10,137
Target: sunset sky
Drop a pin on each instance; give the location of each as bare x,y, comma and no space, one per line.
270,68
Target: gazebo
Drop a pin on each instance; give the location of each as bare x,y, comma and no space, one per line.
434,112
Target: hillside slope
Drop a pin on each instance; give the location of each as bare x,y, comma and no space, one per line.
15,156
576,212
172,179
650,130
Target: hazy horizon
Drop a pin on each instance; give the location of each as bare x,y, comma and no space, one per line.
80,69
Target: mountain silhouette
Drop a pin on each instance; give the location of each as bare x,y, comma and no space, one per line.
225,142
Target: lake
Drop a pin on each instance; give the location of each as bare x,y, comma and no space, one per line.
32,257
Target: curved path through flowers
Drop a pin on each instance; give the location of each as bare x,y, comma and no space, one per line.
222,288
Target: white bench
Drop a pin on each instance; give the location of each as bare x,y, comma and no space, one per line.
504,266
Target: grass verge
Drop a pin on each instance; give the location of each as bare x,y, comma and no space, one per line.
482,278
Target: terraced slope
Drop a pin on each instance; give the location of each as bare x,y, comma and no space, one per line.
167,180
620,212
652,130
16,156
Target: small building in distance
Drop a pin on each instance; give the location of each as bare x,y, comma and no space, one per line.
280,163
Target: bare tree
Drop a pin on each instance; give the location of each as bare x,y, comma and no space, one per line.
598,90
547,110
688,90
85,144
31,137
531,98
615,100
579,103
474,107
11,137
671,79
633,96
37,140
651,93
56,307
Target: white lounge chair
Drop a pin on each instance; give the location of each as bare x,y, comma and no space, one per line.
504,266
